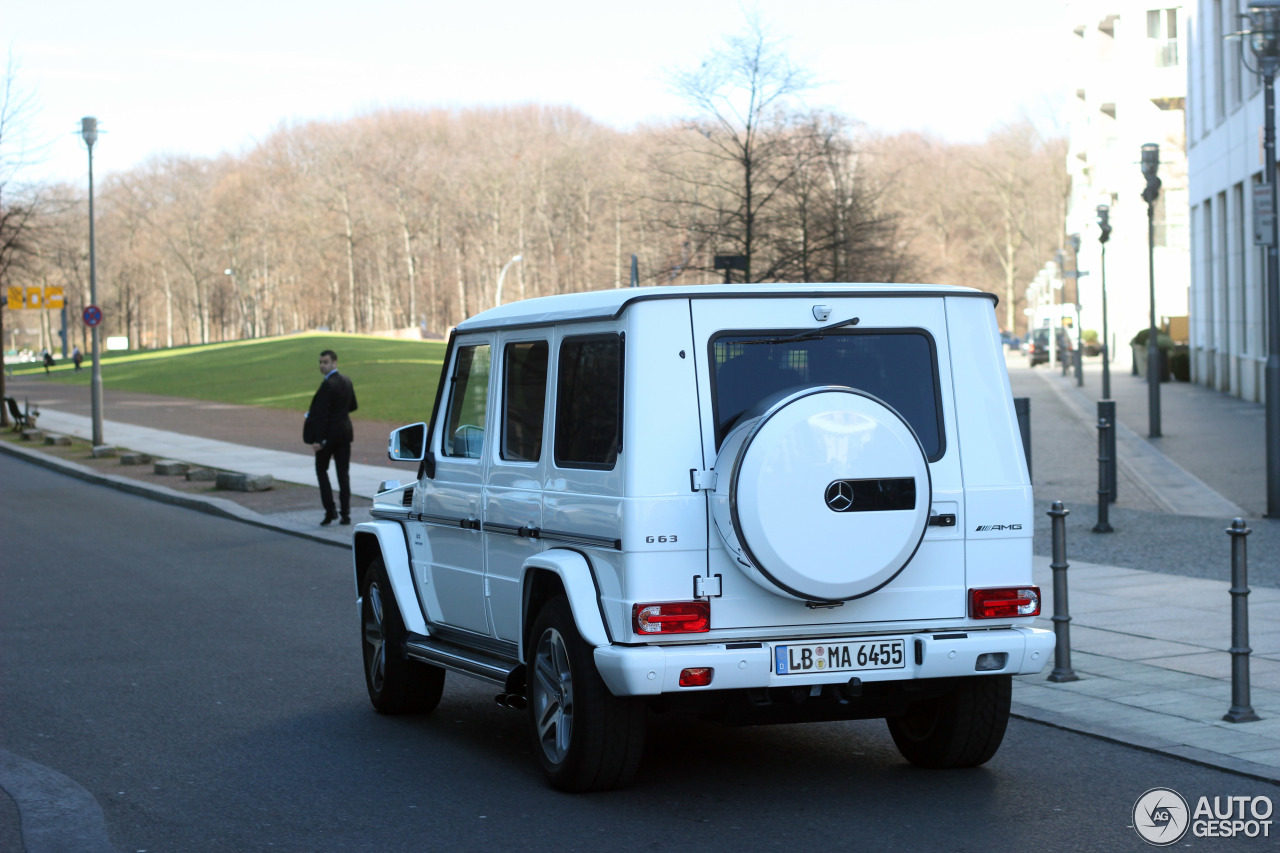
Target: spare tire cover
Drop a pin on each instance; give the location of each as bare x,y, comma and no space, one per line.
824,496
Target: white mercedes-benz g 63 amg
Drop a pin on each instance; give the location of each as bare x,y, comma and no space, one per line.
756,503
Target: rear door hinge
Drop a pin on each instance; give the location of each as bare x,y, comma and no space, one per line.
700,481
706,587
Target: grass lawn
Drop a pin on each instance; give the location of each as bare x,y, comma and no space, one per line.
395,380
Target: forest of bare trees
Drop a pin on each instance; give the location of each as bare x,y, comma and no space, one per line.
403,219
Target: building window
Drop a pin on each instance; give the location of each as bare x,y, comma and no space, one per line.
1162,30
1219,66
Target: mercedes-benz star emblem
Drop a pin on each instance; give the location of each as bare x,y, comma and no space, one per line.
839,496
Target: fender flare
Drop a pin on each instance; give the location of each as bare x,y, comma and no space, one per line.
579,585
388,538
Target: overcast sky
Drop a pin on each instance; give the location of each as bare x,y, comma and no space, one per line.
203,79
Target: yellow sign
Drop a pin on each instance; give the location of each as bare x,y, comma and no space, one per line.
15,298
53,297
35,297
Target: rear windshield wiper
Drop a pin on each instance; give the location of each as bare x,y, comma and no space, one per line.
809,335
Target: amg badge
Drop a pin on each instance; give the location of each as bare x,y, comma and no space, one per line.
982,528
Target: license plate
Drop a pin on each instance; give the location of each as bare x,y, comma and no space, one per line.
839,657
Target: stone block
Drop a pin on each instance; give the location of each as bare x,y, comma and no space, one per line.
171,466
234,482
104,451
57,441
36,435
132,458
202,475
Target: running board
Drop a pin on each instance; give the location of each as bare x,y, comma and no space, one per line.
457,659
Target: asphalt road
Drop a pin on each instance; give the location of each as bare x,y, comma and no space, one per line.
200,680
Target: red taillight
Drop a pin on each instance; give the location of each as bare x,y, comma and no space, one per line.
1004,602
672,617
696,676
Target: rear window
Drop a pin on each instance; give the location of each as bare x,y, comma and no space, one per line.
900,368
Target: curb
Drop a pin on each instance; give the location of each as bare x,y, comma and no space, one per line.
1146,743
213,506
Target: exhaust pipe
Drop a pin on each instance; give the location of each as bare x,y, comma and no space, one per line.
514,701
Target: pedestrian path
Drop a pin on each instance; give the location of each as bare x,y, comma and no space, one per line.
297,468
1150,649
1151,654
1163,481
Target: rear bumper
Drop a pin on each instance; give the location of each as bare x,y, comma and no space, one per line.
653,670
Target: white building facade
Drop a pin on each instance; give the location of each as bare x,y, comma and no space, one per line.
1131,87
1225,158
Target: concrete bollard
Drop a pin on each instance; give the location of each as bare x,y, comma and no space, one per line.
1104,468
1062,670
1241,708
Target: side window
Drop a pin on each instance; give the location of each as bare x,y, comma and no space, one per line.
468,402
524,399
589,402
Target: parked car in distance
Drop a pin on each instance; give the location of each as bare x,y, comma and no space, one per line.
1010,340
1038,346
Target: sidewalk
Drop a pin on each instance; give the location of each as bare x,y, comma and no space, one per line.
1149,647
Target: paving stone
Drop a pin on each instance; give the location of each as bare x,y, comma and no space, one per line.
57,440
235,482
171,466
36,435
104,451
202,475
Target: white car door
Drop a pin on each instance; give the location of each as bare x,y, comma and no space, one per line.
447,542
517,471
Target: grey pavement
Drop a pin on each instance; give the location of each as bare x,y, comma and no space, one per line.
1150,608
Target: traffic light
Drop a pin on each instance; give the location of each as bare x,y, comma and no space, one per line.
1104,222
1151,165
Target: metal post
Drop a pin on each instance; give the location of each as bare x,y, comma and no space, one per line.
1241,710
1150,167
1104,474
1153,342
1271,373
1061,617
95,380
1106,341
1107,412
1022,408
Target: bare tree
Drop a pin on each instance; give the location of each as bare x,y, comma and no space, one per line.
19,204
737,152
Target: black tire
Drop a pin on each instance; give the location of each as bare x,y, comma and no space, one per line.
963,728
586,738
396,684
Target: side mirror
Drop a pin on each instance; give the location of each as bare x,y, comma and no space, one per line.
408,444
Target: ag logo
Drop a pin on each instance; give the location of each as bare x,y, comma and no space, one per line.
1161,817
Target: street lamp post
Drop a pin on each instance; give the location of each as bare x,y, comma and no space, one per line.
1104,234
89,130
497,296
1078,353
1150,165
1264,42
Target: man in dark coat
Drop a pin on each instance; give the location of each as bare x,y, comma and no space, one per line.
328,430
